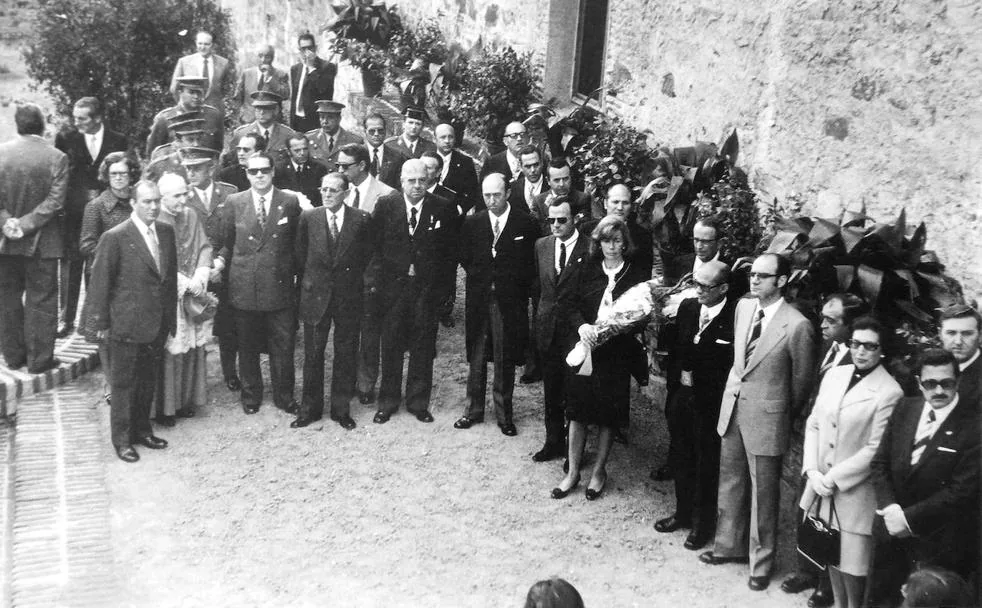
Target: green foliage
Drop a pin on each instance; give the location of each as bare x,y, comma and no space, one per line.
120,51
424,44
497,88
613,152
361,55
735,205
366,21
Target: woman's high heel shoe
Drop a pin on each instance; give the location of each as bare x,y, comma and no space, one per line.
592,494
558,493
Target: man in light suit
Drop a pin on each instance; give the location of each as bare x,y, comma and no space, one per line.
411,143
328,139
258,249
960,325
276,134
132,303
310,79
558,258
262,77
926,476
86,146
204,64
384,161
497,249
458,173
334,246
33,182
530,183
772,376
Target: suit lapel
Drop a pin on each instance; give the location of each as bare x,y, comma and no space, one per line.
551,259
348,229
573,258
273,213
770,337
139,244
948,428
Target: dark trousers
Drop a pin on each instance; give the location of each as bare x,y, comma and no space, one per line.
410,324
345,363
72,273
533,359
27,333
225,330
490,335
256,328
133,374
696,468
369,349
554,392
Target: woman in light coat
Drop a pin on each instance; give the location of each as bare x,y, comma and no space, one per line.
843,431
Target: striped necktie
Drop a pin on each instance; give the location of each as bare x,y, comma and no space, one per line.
754,335
922,438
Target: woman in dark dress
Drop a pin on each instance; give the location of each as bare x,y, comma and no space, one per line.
599,391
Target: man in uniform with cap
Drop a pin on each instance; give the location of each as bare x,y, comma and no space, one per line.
190,95
187,133
208,198
328,139
276,134
411,143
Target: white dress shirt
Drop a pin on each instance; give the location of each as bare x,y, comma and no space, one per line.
409,213
530,190
769,311
570,243
298,107
267,198
94,142
697,264
513,163
446,165
149,234
501,221
338,217
206,195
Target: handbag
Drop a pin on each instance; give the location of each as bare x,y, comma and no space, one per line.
818,541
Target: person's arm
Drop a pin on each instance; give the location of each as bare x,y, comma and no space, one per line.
91,229
881,465
958,495
52,204
101,283
803,365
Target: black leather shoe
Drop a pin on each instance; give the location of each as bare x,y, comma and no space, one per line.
366,398
290,408
346,422
52,364
798,582
233,383
547,453
154,443
381,418
508,429
186,412
592,494
758,583
302,421
466,422
696,540
167,421
715,560
530,378
558,493
821,598
126,453
671,524
424,416
662,473
250,409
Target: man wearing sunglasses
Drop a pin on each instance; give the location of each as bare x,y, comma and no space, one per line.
384,160
248,144
769,384
301,173
311,78
926,476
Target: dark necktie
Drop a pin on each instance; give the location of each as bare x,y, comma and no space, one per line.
205,74
562,257
355,202
266,137
412,221
262,212
334,227
374,167
754,335
330,143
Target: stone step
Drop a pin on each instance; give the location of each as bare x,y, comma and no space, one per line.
77,357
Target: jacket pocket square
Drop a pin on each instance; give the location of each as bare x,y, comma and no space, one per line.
721,341
282,221
519,238
949,450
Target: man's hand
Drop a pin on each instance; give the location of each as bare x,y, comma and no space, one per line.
102,334
588,335
12,229
893,518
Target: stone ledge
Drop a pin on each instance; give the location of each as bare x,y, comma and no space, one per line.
77,357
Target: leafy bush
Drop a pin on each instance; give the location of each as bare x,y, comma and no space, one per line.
612,152
735,205
120,51
496,89
365,32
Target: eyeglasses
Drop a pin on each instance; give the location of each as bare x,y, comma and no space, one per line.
947,384
558,220
515,135
308,48
703,241
762,275
376,130
342,166
119,174
867,346
705,286
258,170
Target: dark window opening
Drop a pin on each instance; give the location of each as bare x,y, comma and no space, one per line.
591,48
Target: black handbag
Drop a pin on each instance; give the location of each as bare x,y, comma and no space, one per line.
818,541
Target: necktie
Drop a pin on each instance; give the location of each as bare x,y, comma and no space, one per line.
262,81
355,202
754,335
412,148
829,358
334,227
205,73
330,143
266,137
562,257
924,435
90,141
497,229
262,212
412,221
374,167
206,199
154,247
703,319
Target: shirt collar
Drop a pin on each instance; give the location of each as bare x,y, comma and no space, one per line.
713,311
971,360
697,264
501,219
419,205
940,414
140,224
771,309
339,214
571,240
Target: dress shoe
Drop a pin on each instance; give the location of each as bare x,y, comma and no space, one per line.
821,598
185,412
466,422
381,418
530,378
671,524
17,364
758,583
346,422
547,453
290,408
798,582
696,540
424,416
167,421
250,409
366,398
592,494
620,436
508,429
65,331
558,493
302,421
715,560
233,383
126,453
662,473
152,442
40,369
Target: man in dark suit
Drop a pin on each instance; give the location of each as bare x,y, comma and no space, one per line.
926,476
530,183
558,258
507,161
561,184
701,360
85,147
258,249
771,379
334,246
248,144
310,80
411,143
301,173
385,161
132,303
960,325
204,64
261,77
413,273
497,249
190,96
326,141
458,172
33,182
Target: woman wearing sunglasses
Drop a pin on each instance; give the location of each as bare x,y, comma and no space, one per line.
843,431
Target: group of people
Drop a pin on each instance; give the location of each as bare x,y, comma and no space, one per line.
311,226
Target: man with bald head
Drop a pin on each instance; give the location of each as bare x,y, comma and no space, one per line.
497,250
458,173
700,360
508,162
413,271
261,77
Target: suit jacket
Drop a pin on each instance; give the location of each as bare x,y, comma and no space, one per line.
333,273
307,181
462,179
190,65
279,139
430,250
580,202
516,198
498,163
261,262
768,390
422,145
318,85
214,137
212,218
236,176
278,82
390,171
709,360
841,437
550,290
128,294
33,183
376,190
970,384
322,151
940,494
83,170
506,276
